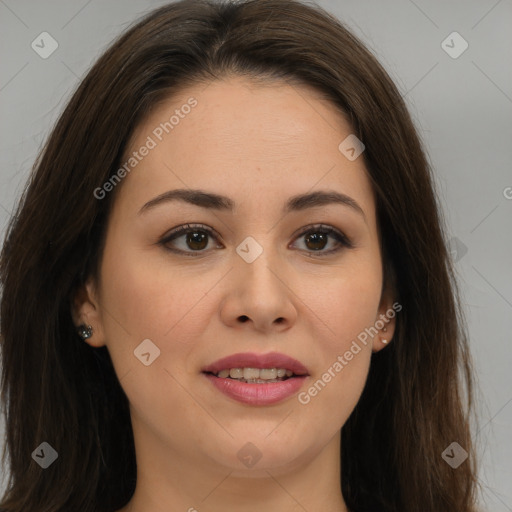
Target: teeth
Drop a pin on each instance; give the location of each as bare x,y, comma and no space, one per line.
251,373
236,373
267,373
256,374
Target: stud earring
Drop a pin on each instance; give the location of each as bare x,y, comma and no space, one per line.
385,329
384,341
84,331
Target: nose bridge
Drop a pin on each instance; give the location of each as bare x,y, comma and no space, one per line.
258,291
259,265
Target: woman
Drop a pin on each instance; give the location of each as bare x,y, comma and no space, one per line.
234,195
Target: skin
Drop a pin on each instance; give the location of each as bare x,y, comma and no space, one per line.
247,142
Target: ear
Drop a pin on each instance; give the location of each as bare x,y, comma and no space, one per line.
86,309
385,322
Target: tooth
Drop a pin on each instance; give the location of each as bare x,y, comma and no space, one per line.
255,374
251,373
237,373
268,373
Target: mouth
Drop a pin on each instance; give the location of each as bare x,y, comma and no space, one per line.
257,379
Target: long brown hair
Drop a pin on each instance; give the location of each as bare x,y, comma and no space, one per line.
55,388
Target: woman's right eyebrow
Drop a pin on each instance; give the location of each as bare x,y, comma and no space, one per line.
195,197
214,201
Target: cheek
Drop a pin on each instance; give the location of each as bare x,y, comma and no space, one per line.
345,311
154,298
346,303
145,298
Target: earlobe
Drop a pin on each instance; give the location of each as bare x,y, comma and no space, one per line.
385,322
86,314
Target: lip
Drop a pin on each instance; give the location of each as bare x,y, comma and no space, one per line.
253,393
252,360
257,394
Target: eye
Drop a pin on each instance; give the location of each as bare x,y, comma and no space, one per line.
194,239
189,239
317,238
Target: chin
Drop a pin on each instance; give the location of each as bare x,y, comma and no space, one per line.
255,456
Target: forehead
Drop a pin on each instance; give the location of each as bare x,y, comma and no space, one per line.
233,135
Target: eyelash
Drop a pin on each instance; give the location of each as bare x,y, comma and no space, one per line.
317,228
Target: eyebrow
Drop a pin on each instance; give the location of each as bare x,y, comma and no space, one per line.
222,203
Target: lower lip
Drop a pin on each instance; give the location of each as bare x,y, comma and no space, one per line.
257,394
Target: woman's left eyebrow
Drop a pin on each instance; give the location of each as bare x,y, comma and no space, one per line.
210,200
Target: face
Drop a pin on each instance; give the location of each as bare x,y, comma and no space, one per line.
286,262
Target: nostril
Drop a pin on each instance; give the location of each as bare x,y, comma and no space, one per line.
243,318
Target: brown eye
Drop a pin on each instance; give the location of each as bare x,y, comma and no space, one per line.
197,240
316,241
189,239
323,239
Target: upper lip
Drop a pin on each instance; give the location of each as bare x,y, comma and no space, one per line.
252,360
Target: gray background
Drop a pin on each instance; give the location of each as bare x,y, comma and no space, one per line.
462,107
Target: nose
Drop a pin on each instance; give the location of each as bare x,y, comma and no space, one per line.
259,297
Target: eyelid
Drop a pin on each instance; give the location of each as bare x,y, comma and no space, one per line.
190,227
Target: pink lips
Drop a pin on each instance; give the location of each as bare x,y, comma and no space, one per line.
254,393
